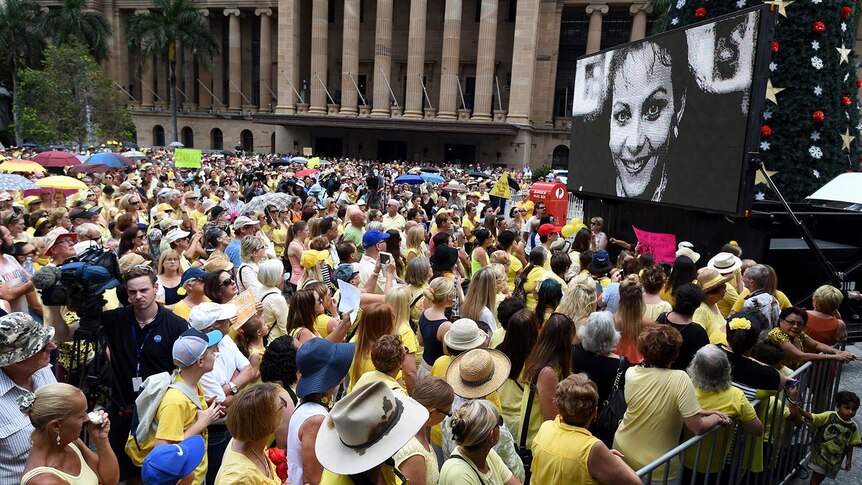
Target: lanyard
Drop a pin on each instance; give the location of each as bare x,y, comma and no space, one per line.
139,348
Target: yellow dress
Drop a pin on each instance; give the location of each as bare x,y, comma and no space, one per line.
561,452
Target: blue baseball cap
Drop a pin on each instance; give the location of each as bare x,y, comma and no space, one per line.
372,237
169,463
192,273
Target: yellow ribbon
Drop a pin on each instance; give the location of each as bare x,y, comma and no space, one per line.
739,324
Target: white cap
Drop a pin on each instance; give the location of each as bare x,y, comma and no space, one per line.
207,313
175,235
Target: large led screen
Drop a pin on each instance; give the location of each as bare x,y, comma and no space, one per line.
666,119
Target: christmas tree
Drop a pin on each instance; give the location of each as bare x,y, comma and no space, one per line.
810,123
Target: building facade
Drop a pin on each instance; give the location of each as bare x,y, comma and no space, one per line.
442,80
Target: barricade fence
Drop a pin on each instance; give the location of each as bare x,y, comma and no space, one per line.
730,455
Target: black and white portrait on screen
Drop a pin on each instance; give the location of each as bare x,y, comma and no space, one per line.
664,119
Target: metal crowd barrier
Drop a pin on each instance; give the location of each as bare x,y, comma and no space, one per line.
774,457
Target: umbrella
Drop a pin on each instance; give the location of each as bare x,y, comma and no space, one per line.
90,168
176,144
455,187
228,153
281,162
278,199
15,165
478,174
55,158
432,178
61,182
306,172
130,144
29,145
409,179
10,181
112,160
301,160
429,170
134,155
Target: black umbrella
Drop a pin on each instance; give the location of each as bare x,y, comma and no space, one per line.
281,162
429,170
513,184
228,153
131,144
478,174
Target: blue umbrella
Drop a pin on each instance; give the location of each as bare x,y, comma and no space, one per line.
432,177
111,160
409,179
9,181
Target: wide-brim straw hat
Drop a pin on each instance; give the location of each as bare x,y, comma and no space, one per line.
709,279
477,373
366,428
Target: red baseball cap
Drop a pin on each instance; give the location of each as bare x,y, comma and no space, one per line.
548,229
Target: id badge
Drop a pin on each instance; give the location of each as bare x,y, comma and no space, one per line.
136,384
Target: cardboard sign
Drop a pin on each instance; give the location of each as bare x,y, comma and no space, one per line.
661,245
307,151
245,307
187,158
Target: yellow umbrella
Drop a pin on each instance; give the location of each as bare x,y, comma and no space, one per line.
15,165
2,158
61,182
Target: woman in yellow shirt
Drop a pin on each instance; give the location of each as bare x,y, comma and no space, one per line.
684,271
251,420
528,280
377,320
564,451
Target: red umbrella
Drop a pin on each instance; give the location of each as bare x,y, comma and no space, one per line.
90,168
56,158
304,173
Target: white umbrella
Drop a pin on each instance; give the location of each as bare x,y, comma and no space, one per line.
134,155
176,144
843,188
301,160
278,199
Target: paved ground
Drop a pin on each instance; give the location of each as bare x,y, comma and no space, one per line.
851,379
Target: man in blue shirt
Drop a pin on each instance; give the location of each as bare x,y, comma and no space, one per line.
242,228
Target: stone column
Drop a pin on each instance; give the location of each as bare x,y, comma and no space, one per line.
449,64
639,11
122,58
179,74
319,39
416,58
265,58
382,59
594,34
350,58
523,62
288,58
485,62
147,76
110,64
234,59
205,74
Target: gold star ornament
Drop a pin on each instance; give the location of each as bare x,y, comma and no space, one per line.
843,52
846,139
759,179
772,91
781,4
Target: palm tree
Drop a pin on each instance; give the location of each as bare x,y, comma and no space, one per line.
160,30
19,40
73,21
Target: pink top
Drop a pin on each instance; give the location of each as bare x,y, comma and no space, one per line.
295,265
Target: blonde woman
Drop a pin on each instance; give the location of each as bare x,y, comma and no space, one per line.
399,299
482,298
416,243
270,294
253,252
579,301
313,228
433,323
58,412
417,277
169,276
502,284
630,320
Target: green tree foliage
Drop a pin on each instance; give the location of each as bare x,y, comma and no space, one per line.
20,40
159,32
74,22
805,149
71,100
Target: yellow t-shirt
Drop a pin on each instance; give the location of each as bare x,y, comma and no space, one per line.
408,338
536,275
199,217
176,414
731,402
236,468
320,323
515,267
658,402
376,375
711,322
182,310
725,306
459,472
783,301
561,452
329,478
510,402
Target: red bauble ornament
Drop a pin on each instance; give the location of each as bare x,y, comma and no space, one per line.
775,46
818,116
818,27
846,11
859,84
700,13
846,101
765,131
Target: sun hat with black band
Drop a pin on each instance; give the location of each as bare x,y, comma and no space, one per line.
724,263
322,365
708,279
477,373
366,428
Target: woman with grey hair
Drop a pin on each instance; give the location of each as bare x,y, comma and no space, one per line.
270,275
595,357
759,300
710,373
253,252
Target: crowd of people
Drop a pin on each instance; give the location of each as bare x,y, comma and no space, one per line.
486,347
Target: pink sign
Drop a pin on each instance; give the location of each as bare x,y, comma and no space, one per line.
660,245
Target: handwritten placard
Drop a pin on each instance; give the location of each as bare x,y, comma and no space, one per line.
187,158
245,307
661,245
307,151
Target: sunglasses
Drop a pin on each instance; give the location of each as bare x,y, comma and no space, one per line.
282,405
445,413
228,282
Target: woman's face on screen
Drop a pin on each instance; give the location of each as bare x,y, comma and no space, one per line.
642,114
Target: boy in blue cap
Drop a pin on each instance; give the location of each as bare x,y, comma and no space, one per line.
174,464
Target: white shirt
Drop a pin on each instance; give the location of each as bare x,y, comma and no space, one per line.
12,274
366,269
15,428
294,446
229,360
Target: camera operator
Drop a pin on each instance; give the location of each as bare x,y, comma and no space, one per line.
140,338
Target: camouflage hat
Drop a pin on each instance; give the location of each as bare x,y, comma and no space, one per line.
21,337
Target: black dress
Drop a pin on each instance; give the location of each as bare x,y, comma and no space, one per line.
600,369
693,338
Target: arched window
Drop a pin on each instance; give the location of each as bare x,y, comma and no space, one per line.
561,158
158,136
247,140
216,139
188,137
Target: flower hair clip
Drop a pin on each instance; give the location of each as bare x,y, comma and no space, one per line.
739,324
25,402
